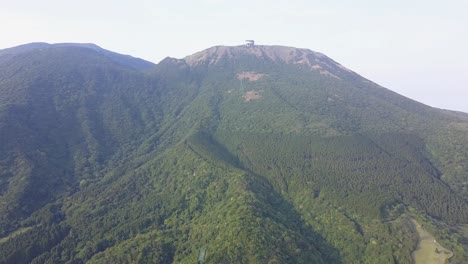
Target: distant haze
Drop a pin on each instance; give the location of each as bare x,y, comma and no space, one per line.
416,48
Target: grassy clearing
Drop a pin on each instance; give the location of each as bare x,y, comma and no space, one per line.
429,251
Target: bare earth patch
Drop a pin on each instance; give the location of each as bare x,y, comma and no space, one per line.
251,76
252,95
324,72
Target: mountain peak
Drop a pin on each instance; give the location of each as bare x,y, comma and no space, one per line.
279,54
275,53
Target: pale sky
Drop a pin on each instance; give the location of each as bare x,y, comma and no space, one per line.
414,47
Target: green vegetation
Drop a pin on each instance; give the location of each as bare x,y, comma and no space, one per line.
107,159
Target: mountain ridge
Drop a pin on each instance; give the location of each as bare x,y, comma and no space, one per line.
127,60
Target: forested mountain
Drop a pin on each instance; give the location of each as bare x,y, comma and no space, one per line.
264,154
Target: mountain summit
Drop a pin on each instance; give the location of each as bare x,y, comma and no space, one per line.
277,54
263,154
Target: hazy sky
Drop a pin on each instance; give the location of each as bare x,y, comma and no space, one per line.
416,48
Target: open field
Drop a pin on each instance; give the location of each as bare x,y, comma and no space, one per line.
429,251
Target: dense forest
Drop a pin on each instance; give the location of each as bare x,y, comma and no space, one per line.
265,154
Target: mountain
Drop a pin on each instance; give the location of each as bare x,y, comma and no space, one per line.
264,154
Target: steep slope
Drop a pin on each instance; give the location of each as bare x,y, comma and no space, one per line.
315,95
64,112
266,154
